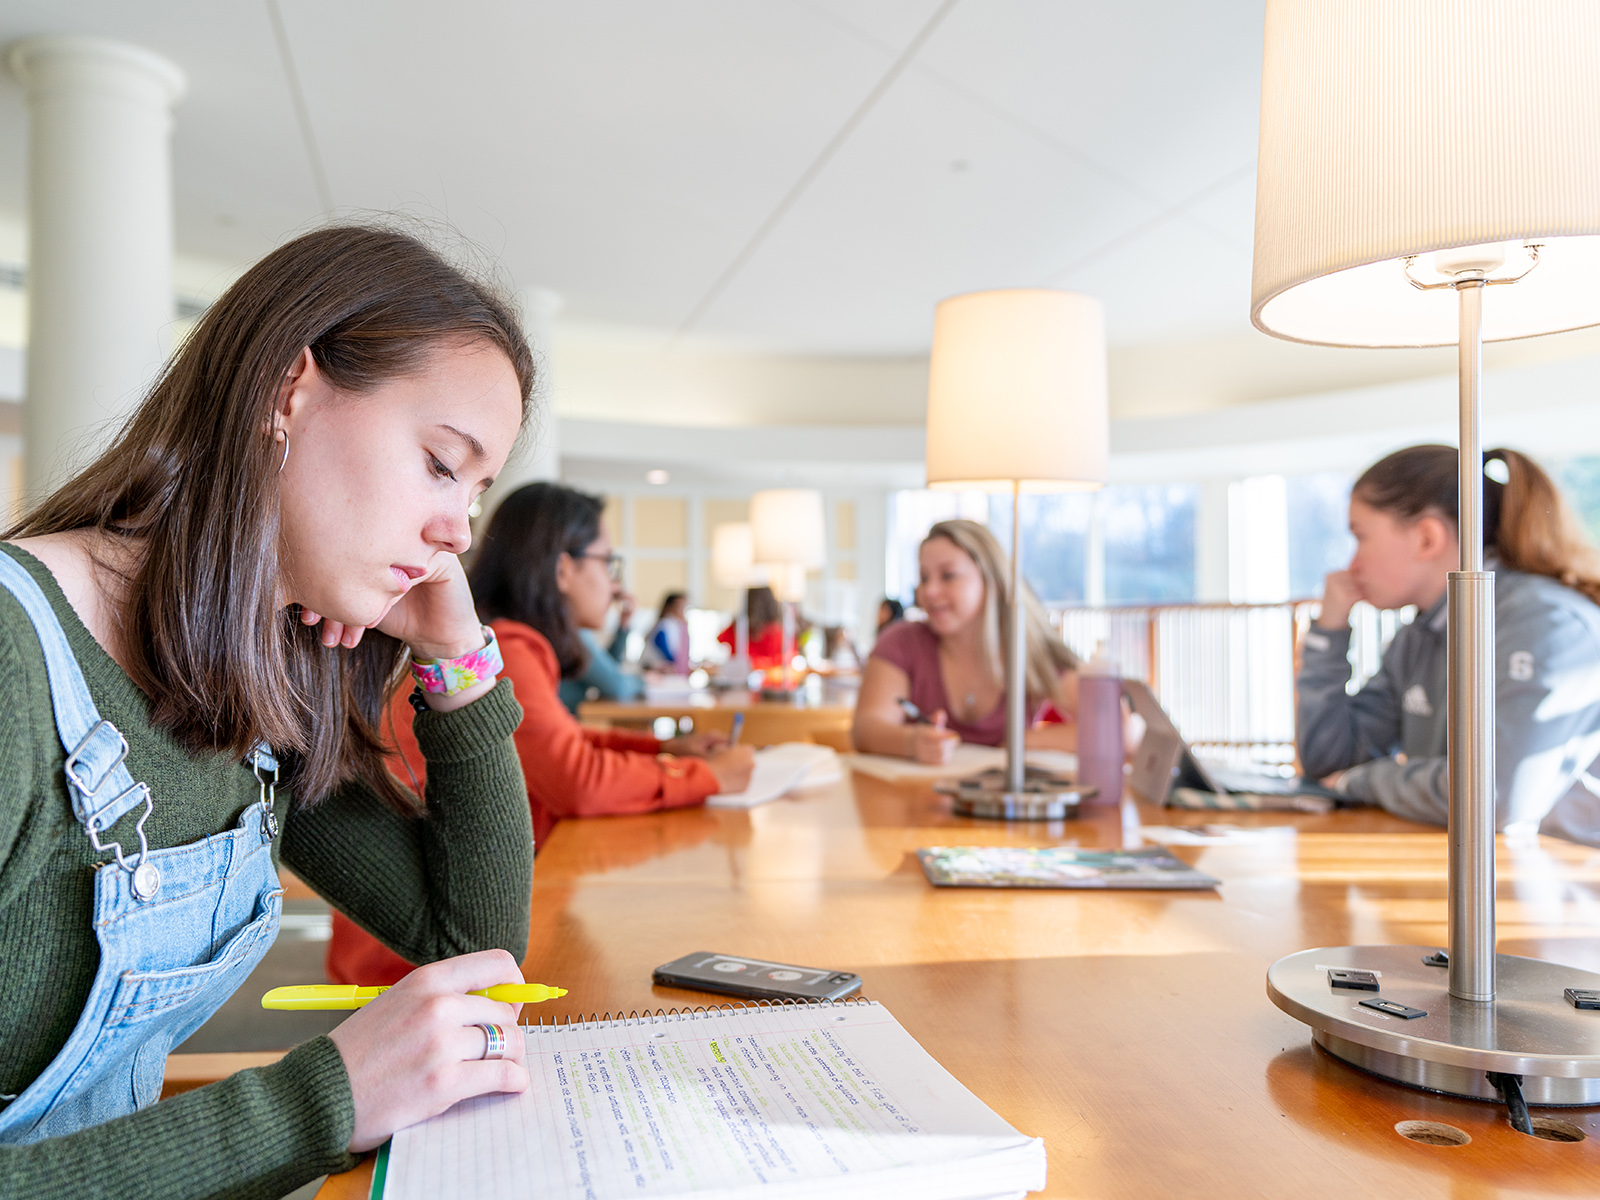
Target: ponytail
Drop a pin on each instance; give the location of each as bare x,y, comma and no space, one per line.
1526,520
1537,531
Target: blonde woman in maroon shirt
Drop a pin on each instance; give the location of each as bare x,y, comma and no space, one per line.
950,665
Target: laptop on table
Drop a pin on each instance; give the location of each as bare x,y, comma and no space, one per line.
1166,771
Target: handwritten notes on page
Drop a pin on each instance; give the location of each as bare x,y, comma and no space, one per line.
756,1102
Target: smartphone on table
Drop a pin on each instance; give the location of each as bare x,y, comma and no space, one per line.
755,978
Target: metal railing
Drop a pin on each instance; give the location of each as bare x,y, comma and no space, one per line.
1224,672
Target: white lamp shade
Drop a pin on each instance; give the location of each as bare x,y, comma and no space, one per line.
1017,392
787,527
733,556
1400,127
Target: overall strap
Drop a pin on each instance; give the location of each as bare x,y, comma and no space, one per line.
98,782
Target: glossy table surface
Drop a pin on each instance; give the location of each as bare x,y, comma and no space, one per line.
811,691
1130,1030
819,705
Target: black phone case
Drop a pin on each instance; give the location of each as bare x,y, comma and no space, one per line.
754,978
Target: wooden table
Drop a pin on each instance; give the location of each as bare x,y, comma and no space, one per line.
822,708
1131,1031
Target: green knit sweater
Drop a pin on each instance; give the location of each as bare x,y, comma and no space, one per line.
453,882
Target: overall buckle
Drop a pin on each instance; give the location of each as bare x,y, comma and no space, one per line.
146,875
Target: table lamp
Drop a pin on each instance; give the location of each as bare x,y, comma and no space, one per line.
1412,157
733,565
1017,403
788,538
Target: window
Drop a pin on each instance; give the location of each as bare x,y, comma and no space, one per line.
1149,531
1319,528
1055,542
1122,545
1579,478
911,514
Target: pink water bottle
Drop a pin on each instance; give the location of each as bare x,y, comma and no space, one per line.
1100,750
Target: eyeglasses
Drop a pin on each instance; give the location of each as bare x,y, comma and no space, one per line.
613,562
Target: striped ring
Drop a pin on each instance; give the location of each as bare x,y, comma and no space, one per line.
494,1045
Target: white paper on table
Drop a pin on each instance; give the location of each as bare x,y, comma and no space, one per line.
659,686
787,767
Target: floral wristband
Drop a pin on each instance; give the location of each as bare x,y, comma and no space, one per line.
447,676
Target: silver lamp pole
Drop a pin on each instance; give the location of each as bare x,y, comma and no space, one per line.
1017,656
1470,609
1015,793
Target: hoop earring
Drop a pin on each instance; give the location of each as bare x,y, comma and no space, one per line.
283,436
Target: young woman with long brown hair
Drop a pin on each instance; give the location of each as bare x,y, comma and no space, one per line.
542,573
949,666
1386,743
200,632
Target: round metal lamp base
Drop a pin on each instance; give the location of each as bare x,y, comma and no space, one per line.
1043,797
1531,1029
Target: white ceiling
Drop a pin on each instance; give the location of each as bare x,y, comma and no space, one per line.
802,175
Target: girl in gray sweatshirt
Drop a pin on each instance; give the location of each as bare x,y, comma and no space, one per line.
1386,743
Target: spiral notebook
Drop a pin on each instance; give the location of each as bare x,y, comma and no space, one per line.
737,1101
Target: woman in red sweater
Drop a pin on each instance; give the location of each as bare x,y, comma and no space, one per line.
764,617
545,570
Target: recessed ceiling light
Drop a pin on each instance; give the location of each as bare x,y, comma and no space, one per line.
656,477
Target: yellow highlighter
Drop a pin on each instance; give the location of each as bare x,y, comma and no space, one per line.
333,995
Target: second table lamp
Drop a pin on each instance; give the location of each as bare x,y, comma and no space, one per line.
1017,403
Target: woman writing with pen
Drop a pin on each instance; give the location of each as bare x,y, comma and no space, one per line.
929,685
201,630
545,569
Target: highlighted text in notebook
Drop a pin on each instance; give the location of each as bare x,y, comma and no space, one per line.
339,996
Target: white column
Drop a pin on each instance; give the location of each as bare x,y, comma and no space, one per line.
539,454
1211,562
1258,540
872,550
1094,552
100,241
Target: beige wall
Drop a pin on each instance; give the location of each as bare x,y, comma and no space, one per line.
653,578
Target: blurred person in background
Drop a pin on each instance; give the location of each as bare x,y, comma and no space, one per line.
606,675
764,615
666,646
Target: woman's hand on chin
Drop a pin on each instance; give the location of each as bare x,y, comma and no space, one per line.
436,618
334,633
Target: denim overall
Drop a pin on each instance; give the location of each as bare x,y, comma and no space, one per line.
179,929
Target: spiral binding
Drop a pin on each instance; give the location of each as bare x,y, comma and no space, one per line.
697,1013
